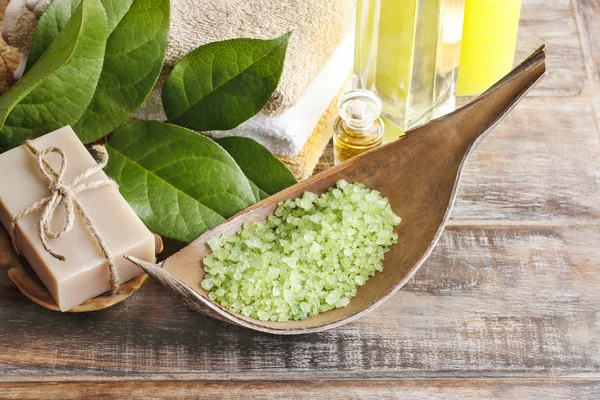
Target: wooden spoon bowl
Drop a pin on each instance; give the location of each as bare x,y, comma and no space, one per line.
418,174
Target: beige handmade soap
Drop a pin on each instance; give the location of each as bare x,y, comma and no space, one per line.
84,274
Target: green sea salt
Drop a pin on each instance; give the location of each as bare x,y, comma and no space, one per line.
310,257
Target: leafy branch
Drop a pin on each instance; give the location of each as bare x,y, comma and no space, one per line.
94,62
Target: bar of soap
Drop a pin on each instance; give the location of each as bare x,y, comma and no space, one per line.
84,274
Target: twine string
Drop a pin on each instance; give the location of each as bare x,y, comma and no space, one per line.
65,194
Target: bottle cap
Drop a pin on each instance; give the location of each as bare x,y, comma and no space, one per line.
359,108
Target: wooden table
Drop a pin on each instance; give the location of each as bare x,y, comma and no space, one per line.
506,307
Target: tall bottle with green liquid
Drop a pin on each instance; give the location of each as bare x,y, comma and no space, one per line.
407,52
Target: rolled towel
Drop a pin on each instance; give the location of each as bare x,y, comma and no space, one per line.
18,25
318,27
9,57
20,20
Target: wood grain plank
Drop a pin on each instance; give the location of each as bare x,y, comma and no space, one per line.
541,163
465,389
508,301
553,23
587,14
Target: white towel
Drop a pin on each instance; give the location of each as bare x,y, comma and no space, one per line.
287,133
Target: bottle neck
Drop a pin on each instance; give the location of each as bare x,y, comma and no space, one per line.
360,129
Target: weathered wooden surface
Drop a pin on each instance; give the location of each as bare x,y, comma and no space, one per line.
326,390
491,300
506,307
587,13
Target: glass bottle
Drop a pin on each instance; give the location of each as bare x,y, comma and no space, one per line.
407,52
359,127
488,45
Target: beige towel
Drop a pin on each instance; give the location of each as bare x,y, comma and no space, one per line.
317,26
19,25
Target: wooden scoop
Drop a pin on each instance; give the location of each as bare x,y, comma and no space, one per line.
418,174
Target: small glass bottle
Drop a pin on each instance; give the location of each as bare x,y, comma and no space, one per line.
359,127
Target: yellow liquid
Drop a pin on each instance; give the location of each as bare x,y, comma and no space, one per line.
348,143
407,52
395,60
392,131
488,45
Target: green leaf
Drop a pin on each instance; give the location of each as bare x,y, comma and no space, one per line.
222,84
135,51
59,87
259,194
178,182
266,173
51,23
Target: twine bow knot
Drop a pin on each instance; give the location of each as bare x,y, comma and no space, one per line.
65,194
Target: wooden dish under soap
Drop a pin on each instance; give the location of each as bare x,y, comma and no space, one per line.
419,175
28,283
